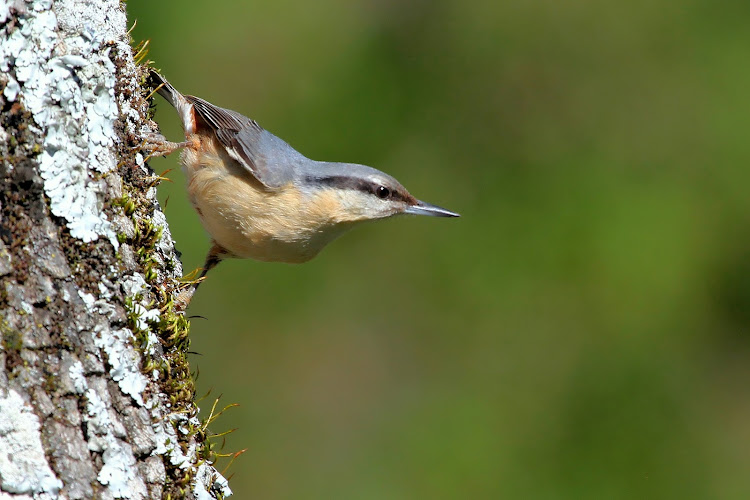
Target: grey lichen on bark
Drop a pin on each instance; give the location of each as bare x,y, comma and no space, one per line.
96,396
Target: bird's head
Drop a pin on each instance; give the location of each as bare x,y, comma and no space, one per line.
364,193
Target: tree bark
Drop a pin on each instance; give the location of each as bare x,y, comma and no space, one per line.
96,395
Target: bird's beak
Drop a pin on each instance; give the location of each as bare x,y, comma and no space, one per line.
422,208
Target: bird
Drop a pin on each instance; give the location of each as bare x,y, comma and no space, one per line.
258,198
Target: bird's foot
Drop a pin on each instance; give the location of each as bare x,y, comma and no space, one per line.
156,144
185,291
182,298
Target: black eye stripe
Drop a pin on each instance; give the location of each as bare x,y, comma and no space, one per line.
343,182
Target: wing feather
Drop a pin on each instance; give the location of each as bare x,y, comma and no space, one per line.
244,140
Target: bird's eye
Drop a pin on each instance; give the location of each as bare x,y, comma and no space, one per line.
382,192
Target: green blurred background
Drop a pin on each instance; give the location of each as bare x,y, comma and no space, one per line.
581,332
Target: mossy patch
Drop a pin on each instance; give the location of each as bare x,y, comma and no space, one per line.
12,341
165,361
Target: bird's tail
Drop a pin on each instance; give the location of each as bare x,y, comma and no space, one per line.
164,88
175,98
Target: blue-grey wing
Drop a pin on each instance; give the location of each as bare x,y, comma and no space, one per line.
269,159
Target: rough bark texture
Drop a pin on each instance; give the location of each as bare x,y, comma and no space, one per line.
96,397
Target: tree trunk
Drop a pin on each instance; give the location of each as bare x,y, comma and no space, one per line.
96,396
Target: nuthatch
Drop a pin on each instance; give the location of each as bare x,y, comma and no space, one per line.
259,198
